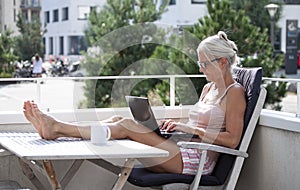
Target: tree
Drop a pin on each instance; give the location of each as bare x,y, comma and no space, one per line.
255,48
7,53
30,41
255,10
118,37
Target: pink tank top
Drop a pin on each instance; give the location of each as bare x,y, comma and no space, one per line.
212,118
209,116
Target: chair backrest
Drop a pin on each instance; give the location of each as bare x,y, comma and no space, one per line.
250,79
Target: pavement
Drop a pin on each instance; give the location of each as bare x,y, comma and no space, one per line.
54,94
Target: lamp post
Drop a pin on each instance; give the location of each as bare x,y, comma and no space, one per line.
272,9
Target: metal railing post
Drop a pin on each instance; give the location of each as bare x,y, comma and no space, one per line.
38,91
172,90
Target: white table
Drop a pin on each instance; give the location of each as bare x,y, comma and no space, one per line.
29,147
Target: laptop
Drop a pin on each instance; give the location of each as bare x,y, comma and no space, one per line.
141,111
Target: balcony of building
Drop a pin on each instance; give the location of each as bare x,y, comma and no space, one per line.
273,161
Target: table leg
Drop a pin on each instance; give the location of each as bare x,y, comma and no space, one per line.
28,172
123,176
48,166
70,173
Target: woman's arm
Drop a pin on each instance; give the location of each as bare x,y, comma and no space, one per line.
235,109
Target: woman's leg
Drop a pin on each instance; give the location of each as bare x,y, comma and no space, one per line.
121,128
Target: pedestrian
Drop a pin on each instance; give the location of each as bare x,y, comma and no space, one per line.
37,66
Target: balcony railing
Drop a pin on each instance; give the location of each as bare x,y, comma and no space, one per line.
172,81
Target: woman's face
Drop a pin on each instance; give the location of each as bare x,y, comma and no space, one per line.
209,66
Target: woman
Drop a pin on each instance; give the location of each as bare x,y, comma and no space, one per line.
217,117
37,66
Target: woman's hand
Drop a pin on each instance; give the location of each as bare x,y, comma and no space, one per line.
171,125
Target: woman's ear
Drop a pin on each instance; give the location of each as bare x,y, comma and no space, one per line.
223,61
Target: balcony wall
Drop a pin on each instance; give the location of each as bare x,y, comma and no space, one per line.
273,161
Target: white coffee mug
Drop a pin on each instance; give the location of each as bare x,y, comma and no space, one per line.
100,134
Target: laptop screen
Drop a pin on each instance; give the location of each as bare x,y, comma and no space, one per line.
142,112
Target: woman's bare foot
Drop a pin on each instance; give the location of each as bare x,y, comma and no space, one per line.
44,124
27,110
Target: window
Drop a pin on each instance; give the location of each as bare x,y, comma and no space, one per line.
76,44
61,45
295,2
277,40
15,15
199,1
50,45
35,15
47,16
25,15
55,15
44,44
83,12
172,2
35,3
65,13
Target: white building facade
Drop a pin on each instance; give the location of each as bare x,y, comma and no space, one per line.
65,22
8,15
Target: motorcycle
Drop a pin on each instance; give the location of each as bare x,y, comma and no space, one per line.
59,69
24,70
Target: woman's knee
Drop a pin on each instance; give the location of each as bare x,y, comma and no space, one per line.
116,118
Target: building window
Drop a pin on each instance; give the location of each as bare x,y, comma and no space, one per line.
172,2
61,45
295,2
76,44
83,12
44,44
277,40
25,16
199,1
55,15
65,13
47,16
35,3
50,45
15,15
35,15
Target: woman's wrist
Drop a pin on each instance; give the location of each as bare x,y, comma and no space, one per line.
200,132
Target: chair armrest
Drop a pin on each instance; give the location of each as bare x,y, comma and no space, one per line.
211,147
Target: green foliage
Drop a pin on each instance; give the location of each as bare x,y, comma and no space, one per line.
7,54
256,11
253,43
115,45
30,41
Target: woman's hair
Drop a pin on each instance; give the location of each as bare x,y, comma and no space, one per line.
37,57
218,46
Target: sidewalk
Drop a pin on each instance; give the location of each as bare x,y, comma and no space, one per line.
55,94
